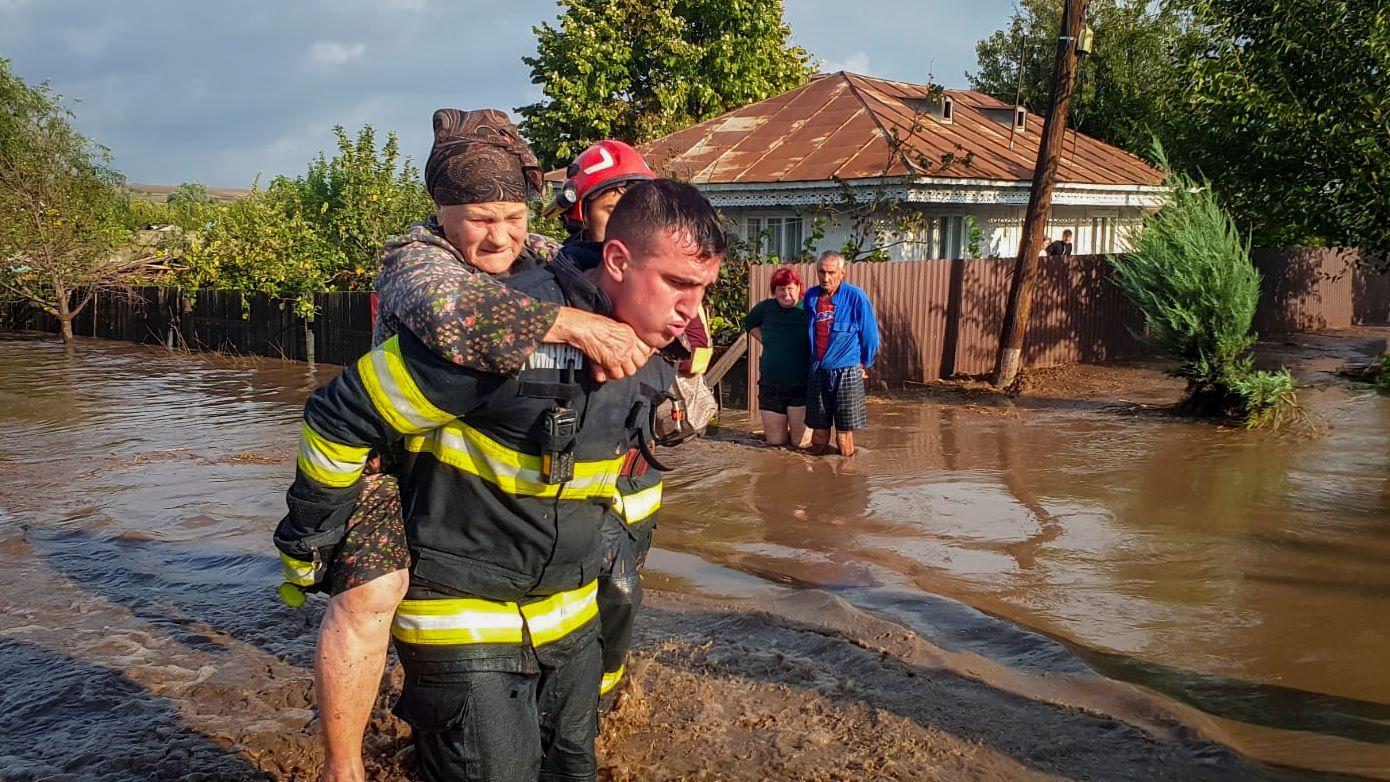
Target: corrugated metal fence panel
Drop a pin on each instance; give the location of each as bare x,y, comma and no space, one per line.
983,291
1078,315
1370,298
1318,288
342,326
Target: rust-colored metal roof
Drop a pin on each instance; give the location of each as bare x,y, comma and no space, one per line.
841,125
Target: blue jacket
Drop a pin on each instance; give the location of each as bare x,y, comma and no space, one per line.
853,335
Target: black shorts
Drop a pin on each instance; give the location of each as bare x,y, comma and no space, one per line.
777,397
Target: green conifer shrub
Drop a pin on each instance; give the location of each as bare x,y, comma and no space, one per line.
1191,277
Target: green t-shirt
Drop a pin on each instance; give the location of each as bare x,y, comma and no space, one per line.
786,358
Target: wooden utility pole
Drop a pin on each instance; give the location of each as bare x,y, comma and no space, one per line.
1010,358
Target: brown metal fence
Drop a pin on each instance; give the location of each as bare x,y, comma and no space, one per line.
941,319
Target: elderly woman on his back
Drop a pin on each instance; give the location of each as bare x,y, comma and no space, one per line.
781,323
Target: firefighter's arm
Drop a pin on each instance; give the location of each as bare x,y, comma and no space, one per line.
401,389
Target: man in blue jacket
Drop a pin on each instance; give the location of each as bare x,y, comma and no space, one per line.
844,341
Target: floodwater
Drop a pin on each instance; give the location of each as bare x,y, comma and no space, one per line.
1240,578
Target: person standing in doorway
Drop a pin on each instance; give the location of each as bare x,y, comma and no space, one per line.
780,324
844,343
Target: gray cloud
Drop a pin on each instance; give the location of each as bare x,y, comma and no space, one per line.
216,92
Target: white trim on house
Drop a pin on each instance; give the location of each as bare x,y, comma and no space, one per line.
927,190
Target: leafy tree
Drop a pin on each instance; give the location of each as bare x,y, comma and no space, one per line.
357,199
189,194
61,208
637,69
1124,88
320,231
1288,113
262,243
1191,278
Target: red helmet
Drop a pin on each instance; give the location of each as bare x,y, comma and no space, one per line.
600,168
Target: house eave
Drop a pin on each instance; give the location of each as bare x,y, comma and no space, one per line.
927,190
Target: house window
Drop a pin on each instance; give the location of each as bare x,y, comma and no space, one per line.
939,237
1020,119
948,110
1102,235
779,236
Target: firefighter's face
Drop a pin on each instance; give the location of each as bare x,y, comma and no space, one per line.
657,289
489,235
597,210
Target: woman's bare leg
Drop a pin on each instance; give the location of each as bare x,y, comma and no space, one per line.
350,659
796,426
774,427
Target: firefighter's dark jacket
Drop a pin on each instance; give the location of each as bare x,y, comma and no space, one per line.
480,520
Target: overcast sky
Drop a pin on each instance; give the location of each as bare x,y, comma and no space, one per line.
214,91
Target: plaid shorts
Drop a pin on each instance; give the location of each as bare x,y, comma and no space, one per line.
375,542
836,397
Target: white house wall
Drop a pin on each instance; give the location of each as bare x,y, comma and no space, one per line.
1094,228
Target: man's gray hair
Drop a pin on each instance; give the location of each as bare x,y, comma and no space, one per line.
829,255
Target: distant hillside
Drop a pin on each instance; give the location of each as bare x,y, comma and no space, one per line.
158,193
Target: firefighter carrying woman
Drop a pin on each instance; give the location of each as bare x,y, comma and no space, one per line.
439,284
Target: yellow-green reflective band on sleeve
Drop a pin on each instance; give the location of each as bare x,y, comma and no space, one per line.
394,393
699,360
297,572
454,621
327,462
639,506
610,680
561,614
464,448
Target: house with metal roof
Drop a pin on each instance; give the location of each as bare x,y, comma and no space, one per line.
854,154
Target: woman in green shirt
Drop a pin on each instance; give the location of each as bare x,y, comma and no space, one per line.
781,324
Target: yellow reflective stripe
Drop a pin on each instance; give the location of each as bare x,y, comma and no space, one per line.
638,506
393,391
461,446
561,614
297,571
610,680
699,360
327,462
474,620
457,621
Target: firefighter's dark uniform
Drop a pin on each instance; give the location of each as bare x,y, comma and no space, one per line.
498,632
627,532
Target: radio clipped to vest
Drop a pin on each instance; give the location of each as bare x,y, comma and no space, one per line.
559,428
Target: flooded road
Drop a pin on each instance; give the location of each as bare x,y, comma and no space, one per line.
1243,577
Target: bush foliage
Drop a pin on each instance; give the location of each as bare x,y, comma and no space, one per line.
1190,275
320,231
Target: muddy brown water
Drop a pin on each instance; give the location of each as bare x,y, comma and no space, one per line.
1239,578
